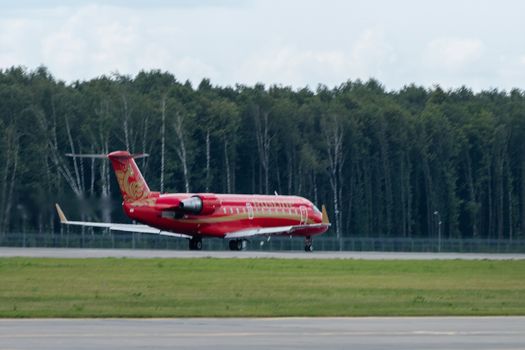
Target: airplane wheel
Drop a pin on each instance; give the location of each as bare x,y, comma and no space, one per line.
195,243
198,244
308,244
239,244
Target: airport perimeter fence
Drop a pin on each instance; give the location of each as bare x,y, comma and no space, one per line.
147,241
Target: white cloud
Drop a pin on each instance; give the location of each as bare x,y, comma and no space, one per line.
510,72
287,65
292,43
453,53
73,50
371,54
18,38
92,40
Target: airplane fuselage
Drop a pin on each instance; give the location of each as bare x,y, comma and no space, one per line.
231,213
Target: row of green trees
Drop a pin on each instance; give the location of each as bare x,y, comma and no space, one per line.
385,163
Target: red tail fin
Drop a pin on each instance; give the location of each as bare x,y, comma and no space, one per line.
130,180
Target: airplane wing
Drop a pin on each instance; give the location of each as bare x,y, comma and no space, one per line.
119,227
269,231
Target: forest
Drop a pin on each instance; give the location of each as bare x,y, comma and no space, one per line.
385,163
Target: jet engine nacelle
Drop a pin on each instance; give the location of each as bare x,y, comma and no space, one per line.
202,204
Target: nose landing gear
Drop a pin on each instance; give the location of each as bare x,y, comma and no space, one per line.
308,244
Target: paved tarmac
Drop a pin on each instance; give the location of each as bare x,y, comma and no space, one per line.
495,333
140,253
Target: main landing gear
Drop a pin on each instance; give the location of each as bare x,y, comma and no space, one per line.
308,244
237,244
195,243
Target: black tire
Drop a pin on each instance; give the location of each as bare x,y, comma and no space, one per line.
232,245
308,248
195,243
198,244
238,244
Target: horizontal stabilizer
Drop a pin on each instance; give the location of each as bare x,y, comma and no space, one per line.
72,155
104,156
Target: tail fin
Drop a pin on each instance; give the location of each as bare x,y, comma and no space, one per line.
132,185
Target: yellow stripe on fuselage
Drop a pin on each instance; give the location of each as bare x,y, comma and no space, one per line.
244,216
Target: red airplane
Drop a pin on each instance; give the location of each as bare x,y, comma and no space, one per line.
235,217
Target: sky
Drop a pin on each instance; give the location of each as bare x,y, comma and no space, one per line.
451,43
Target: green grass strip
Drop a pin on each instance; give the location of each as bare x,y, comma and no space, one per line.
39,287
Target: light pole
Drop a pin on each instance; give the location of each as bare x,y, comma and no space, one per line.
436,213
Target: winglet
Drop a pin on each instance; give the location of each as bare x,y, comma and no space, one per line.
61,215
325,215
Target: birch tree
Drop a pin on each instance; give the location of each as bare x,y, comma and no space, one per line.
11,156
333,132
181,150
162,141
225,126
263,138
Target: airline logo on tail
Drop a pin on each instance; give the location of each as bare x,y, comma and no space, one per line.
132,189
132,185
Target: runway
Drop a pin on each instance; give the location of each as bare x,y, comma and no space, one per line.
495,333
144,254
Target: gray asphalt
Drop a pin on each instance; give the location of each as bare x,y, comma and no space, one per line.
495,333
138,253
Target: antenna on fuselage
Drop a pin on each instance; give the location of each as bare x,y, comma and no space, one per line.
275,192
